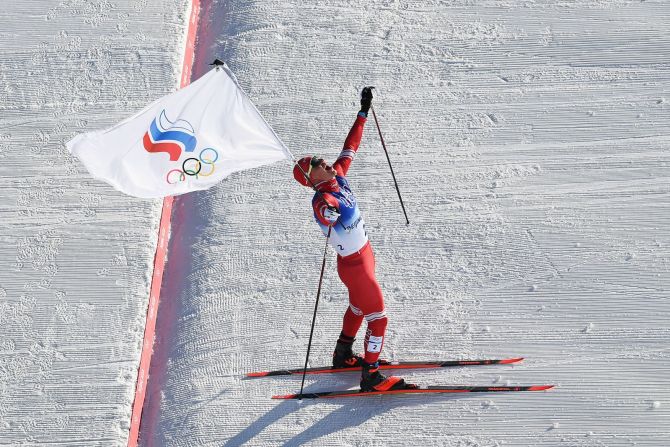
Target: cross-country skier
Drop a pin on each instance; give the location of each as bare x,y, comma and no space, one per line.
336,207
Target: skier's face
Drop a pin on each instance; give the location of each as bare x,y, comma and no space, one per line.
320,171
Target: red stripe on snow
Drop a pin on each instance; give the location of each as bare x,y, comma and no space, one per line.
159,259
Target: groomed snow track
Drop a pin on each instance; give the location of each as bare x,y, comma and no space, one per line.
531,143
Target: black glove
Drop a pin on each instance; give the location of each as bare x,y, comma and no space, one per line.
366,99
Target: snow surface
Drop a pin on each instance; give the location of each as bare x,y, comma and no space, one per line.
76,256
531,143
530,140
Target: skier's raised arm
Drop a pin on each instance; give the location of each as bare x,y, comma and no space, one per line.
354,138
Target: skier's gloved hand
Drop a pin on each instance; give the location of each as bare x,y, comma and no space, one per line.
366,99
331,214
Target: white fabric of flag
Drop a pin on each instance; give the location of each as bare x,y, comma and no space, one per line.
186,141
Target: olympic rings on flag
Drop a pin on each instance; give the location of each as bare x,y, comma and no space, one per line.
192,167
179,173
191,172
207,161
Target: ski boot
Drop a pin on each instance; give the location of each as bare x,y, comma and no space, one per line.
373,380
344,357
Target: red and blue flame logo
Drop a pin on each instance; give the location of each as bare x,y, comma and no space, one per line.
172,137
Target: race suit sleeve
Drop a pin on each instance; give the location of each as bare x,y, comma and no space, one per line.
320,206
350,146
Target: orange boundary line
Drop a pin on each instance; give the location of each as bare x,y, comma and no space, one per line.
161,253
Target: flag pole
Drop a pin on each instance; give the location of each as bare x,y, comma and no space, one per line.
217,63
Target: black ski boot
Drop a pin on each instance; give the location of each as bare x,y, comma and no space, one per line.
343,356
373,380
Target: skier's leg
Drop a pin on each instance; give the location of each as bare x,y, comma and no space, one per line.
375,315
367,299
353,319
344,356
371,378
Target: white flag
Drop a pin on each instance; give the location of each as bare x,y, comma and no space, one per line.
186,141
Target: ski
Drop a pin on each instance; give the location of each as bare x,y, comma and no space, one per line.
419,390
385,364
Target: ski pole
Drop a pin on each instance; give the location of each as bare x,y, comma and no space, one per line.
316,306
381,137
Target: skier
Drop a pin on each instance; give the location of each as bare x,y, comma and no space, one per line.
336,207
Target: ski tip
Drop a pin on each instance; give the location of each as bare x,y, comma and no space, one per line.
508,361
540,387
257,374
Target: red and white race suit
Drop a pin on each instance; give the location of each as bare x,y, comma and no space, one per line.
355,259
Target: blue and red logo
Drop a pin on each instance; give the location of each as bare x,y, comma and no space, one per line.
174,138
171,137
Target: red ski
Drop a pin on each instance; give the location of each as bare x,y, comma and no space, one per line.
385,364
419,390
